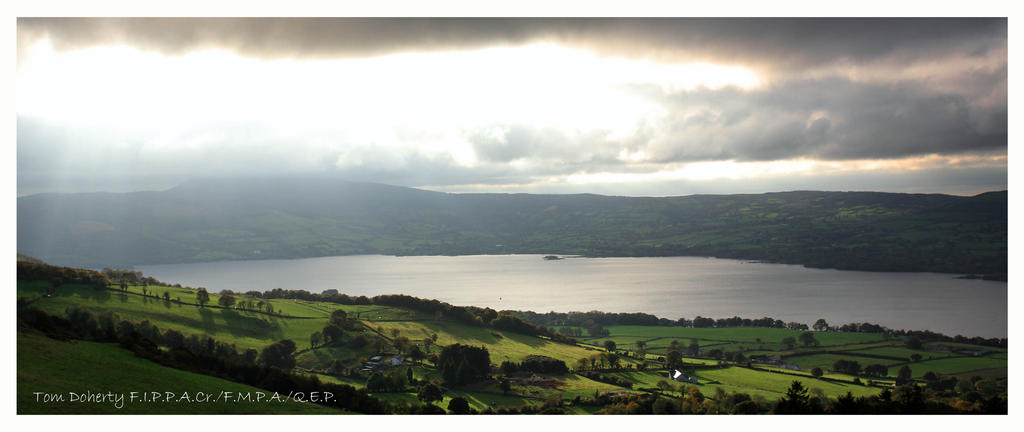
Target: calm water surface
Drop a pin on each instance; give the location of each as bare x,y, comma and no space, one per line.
671,287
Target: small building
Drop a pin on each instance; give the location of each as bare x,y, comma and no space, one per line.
535,380
383,361
681,377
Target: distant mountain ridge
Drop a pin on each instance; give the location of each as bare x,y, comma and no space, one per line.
212,220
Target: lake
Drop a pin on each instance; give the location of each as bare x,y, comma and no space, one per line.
670,287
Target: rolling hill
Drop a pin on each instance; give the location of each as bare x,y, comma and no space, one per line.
233,219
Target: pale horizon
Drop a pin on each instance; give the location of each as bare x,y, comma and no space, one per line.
638,107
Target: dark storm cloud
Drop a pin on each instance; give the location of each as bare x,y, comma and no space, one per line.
827,119
784,43
831,119
833,89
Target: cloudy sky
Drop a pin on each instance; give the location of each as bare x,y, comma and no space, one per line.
613,106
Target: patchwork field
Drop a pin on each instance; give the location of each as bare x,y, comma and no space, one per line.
950,366
245,329
502,345
47,363
773,385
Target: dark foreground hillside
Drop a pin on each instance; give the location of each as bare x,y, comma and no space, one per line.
294,218
115,342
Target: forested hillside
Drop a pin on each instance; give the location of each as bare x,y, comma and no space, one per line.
213,220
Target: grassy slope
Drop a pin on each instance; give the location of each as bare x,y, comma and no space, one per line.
51,366
225,219
255,330
245,329
771,385
502,345
899,351
955,365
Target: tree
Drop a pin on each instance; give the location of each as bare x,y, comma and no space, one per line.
613,360
226,301
339,318
820,325
416,353
987,387
316,339
402,344
505,386
795,401
914,343
663,385
737,357
359,341
429,393
904,374
202,297
173,338
817,372
279,354
788,342
694,348
167,296
915,357
376,382
609,345
673,360
463,364
851,367
332,334
459,405
876,370
746,407
807,338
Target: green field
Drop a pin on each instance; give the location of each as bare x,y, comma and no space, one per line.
50,366
955,365
825,361
502,345
244,329
61,367
898,351
772,385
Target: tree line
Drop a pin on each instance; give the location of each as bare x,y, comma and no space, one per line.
471,315
30,271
